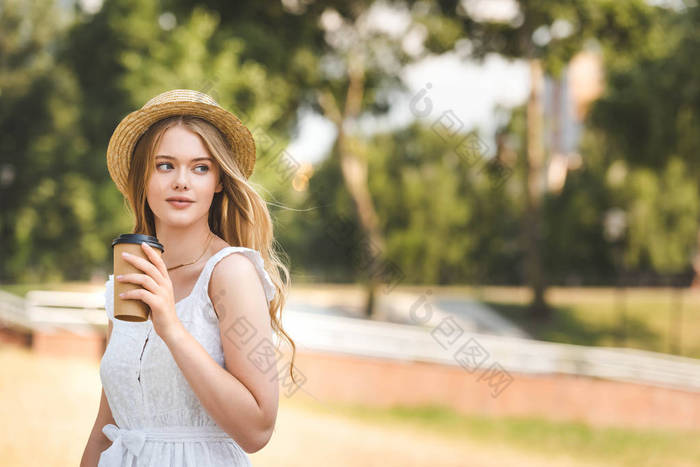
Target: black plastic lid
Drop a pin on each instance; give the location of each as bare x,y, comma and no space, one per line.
138,239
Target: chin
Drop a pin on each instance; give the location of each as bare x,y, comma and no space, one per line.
180,218
183,222
175,218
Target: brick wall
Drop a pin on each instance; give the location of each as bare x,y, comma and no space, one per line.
379,382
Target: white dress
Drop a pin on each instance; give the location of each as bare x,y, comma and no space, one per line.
159,419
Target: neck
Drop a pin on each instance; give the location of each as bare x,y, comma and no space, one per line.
183,244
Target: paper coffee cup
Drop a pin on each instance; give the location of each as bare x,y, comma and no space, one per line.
130,309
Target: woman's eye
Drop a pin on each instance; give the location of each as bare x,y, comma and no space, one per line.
198,167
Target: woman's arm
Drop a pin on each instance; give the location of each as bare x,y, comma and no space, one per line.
242,397
98,442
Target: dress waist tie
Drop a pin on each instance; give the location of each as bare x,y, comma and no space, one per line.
132,441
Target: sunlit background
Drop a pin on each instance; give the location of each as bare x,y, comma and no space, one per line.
489,207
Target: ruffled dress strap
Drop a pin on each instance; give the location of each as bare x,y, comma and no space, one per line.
202,285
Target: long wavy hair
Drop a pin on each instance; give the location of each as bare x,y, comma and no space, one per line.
238,214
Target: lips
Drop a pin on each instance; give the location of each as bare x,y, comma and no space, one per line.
179,203
179,198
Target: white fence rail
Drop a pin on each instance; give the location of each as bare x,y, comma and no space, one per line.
55,307
443,342
48,310
477,352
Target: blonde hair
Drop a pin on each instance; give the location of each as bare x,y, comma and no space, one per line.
238,214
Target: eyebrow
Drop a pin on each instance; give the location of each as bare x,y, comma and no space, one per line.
193,160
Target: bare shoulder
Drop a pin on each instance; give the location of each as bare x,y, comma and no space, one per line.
235,264
235,284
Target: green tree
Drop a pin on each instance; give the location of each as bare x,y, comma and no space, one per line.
444,220
48,223
649,119
547,34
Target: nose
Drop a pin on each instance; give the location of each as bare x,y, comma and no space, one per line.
181,178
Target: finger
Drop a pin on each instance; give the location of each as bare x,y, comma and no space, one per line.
155,258
143,280
144,265
138,294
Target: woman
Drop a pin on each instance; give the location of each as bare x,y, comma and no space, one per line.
197,383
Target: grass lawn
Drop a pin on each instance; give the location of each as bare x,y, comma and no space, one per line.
593,316
655,319
607,446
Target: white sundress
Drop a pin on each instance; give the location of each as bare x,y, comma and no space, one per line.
159,419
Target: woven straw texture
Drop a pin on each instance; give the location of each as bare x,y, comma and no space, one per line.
176,102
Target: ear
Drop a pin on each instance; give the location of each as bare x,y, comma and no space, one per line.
219,187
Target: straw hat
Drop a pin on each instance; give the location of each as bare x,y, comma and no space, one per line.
176,102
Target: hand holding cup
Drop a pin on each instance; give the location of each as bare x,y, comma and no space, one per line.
156,290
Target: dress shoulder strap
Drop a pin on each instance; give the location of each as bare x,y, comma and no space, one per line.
253,255
109,297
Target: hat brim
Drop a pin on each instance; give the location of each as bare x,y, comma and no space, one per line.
134,125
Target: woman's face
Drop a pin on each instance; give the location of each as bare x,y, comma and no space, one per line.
183,168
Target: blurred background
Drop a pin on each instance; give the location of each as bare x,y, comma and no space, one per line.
490,210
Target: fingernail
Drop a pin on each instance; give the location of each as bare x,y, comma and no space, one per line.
119,276
121,294
124,253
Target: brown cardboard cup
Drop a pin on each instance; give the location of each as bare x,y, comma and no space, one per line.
130,309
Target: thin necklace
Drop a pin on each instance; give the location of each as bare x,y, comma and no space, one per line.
211,237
